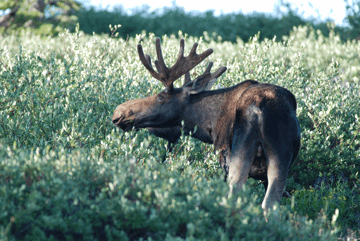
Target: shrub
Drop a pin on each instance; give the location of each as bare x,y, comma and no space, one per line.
67,172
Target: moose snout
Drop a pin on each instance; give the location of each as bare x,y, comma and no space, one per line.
117,119
127,114
120,114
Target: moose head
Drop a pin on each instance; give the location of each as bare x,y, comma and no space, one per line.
165,109
253,125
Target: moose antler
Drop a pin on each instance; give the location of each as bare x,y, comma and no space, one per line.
183,65
207,79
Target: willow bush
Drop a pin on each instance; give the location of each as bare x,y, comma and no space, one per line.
67,173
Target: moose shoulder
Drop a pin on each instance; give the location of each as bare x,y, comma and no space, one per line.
253,125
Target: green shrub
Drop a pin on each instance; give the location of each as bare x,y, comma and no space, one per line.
229,26
67,173
327,196
54,194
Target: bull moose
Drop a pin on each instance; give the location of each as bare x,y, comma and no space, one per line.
253,125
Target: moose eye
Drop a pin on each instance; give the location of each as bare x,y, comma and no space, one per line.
160,97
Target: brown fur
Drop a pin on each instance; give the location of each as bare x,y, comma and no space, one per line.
225,122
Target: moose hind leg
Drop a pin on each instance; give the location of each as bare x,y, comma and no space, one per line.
280,134
241,158
276,174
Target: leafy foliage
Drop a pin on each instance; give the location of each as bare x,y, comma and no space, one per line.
353,17
60,196
227,27
44,17
67,173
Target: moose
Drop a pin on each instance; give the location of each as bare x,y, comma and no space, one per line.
253,125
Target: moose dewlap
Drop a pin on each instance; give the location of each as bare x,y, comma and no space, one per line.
252,124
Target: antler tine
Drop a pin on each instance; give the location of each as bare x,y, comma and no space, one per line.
181,52
147,62
187,78
209,67
160,63
148,59
218,72
158,66
156,63
193,49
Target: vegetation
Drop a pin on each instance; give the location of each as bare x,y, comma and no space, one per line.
44,17
67,173
353,17
49,17
228,27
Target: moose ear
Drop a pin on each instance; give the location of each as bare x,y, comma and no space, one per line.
202,83
210,84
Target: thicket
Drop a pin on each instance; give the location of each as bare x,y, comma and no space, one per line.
67,173
50,17
227,26
39,16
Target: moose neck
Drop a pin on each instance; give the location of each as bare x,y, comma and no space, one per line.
203,112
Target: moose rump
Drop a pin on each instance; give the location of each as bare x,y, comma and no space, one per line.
265,139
